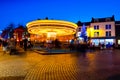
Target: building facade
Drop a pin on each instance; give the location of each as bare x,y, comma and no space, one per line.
117,30
102,31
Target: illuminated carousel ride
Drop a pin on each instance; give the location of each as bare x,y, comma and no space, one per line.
42,30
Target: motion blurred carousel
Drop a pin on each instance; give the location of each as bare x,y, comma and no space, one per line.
42,30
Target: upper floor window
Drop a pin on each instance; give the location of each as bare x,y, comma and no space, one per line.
96,20
96,34
96,27
108,33
108,26
107,19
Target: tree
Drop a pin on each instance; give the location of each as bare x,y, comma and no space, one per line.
4,34
79,23
8,31
25,30
84,33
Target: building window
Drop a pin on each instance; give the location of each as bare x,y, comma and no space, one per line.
107,19
96,27
108,33
108,26
96,34
96,20
118,42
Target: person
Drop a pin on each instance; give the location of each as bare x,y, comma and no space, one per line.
103,46
21,43
113,46
57,43
12,45
72,44
29,45
25,43
4,45
0,42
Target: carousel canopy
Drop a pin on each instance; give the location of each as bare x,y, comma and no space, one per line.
51,26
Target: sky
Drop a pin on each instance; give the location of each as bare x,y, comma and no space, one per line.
24,11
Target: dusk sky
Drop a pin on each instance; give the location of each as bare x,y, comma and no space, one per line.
23,11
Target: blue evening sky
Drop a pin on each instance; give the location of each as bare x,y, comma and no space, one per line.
23,11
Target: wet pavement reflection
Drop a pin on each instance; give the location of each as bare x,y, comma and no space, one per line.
90,65
94,65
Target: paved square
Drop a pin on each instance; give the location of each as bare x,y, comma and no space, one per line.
92,65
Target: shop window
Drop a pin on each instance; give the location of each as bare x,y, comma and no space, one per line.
107,41
118,42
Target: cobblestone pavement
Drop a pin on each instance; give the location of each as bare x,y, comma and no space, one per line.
97,65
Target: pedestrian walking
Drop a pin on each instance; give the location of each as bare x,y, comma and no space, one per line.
4,45
25,43
12,45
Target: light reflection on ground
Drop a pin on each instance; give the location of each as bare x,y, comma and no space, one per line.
92,65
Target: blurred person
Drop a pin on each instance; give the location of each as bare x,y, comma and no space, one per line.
25,43
72,44
0,42
12,45
4,45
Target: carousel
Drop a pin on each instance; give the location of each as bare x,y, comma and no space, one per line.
51,29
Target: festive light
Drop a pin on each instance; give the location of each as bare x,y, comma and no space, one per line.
57,26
